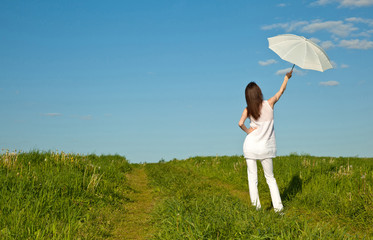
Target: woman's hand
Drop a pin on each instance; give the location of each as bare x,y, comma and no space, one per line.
251,129
289,74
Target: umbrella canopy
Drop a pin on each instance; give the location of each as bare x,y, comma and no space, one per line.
300,51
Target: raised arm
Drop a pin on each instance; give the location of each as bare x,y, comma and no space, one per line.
277,96
241,123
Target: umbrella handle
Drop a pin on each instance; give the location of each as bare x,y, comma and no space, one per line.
292,68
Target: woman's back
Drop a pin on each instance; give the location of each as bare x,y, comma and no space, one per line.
261,143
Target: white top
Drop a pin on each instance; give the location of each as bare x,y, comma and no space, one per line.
261,143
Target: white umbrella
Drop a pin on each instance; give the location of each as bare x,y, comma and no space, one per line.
300,51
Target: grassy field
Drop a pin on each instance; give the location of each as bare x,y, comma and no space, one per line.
54,195
324,198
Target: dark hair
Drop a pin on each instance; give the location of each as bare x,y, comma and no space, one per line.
254,99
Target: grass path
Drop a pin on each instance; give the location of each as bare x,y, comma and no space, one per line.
137,219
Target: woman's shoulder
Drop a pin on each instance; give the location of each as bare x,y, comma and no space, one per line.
269,103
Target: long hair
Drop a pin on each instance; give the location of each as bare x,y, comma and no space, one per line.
254,100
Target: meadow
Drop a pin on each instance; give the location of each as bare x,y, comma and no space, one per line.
207,198
54,195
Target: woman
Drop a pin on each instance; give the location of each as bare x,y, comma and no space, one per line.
260,142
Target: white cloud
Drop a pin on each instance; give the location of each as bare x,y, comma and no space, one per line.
275,25
360,20
324,44
268,62
329,83
322,2
336,27
52,114
367,21
334,64
281,5
288,27
315,40
356,44
355,3
345,3
283,71
327,44
86,117
286,70
363,34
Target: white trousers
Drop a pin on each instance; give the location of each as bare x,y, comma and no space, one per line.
252,173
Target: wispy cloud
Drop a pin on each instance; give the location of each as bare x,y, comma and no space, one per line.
286,70
83,117
86,117
283,71
334,64
338,28
356,44
322,2
288,27
355,3
52,114
329,83
345,3
327,44
315,40
324,44
360,20
267,62
366,33
281,5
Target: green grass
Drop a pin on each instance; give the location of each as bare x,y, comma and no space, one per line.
52,195
324,198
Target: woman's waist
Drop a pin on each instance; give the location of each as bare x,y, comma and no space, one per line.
260,138
260,133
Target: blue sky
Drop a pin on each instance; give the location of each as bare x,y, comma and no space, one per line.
155,80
